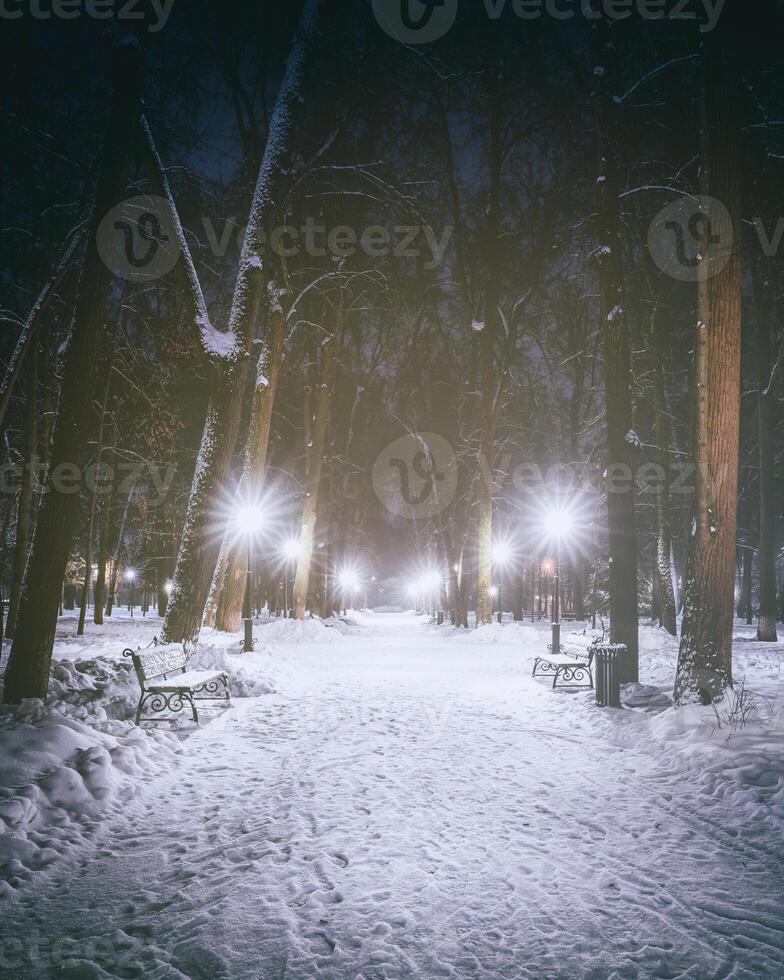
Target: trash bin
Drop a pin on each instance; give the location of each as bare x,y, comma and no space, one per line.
610,660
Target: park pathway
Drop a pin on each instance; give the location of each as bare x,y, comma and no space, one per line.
409,807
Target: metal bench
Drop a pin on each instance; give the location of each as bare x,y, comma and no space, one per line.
168,685
572,668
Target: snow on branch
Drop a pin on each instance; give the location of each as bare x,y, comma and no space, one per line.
215,343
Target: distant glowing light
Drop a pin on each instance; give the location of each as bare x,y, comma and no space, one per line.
248,519
502,553
168,587
348,580
493,591
290,549
558,523
548,566
130,574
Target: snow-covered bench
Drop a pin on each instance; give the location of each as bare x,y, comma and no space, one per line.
168,685
573,667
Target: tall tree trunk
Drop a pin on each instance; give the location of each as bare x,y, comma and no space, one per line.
617,366
91,507
766,621
27,673
319,439
104,527
199,545
705,657
228,598
112,597
667,609
487,368
25,505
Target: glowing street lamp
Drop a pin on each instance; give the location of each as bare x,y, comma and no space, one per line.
348,580
168,588
130,576
501,556
557,524
248,520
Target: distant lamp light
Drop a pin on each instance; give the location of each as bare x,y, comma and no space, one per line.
493,591
290,549
557,523
502,553
168,588
130,574
348,580
248,519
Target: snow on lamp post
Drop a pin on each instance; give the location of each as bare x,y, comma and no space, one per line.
557,524
248,522
130,576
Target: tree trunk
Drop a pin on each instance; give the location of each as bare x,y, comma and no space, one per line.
27,673
319,437
487,369
228,597
617,371
91,507
103,551
25,505
766,621
112,598
199,545
705,657
668,612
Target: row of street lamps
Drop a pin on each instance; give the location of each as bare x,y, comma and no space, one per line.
248,520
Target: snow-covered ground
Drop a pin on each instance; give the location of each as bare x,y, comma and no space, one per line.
390,799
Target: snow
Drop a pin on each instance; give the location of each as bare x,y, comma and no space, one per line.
404,801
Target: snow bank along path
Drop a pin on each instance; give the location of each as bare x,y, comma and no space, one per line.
413,804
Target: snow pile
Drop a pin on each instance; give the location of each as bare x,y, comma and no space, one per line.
249,674
59,775
95,690
305,631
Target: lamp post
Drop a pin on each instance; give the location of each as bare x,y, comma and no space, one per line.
130,576
248,521
558,523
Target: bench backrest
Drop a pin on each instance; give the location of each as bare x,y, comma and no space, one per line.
158,662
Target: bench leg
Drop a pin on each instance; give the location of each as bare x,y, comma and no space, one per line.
190,700
555,679
536,664
139,708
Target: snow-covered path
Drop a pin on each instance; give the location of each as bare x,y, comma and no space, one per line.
412,807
